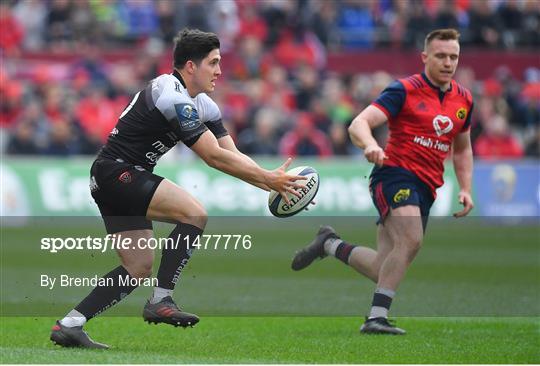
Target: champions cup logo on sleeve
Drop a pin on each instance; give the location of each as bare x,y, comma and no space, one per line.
187,116
442,124
187,111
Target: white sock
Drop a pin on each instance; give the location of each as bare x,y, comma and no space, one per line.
378,312
73,319
330,246
159,294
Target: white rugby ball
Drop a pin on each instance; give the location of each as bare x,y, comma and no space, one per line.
277,205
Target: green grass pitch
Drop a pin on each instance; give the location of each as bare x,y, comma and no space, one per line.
472,296
281,340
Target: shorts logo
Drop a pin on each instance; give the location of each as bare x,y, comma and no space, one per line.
125,177
461,113
402,195
442,124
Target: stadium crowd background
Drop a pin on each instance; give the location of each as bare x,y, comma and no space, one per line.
69,68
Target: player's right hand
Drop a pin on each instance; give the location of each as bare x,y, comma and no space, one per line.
465,199
375,154
283,183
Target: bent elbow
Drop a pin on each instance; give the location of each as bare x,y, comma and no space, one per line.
351,131
208,157
211,161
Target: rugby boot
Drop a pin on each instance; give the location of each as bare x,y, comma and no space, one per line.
380,326
73,337
166,311
305,256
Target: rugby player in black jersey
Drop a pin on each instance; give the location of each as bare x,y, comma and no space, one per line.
172,108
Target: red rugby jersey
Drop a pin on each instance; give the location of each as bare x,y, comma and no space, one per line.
423,121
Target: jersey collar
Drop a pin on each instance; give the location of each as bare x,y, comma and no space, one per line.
179,77
434,87
424,76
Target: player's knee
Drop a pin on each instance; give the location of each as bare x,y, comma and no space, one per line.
413,247
197,217
201,217
142,269
142,272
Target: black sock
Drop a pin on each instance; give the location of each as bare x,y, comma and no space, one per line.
343,252
103,297
174,259
381,300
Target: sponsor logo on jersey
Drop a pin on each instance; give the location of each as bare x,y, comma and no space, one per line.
402,195
461,113
153,156
160,146
114,132
125,177
432,144
442,124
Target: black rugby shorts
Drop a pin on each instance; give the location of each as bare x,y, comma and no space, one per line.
123,193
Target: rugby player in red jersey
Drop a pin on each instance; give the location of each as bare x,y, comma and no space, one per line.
429,116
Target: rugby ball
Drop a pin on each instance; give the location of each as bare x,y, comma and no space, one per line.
277,205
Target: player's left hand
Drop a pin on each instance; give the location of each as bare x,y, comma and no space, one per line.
284,183
466,200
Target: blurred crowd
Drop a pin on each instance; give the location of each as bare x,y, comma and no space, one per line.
275,94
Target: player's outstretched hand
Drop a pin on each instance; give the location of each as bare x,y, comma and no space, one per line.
375,154
283,183
466,200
